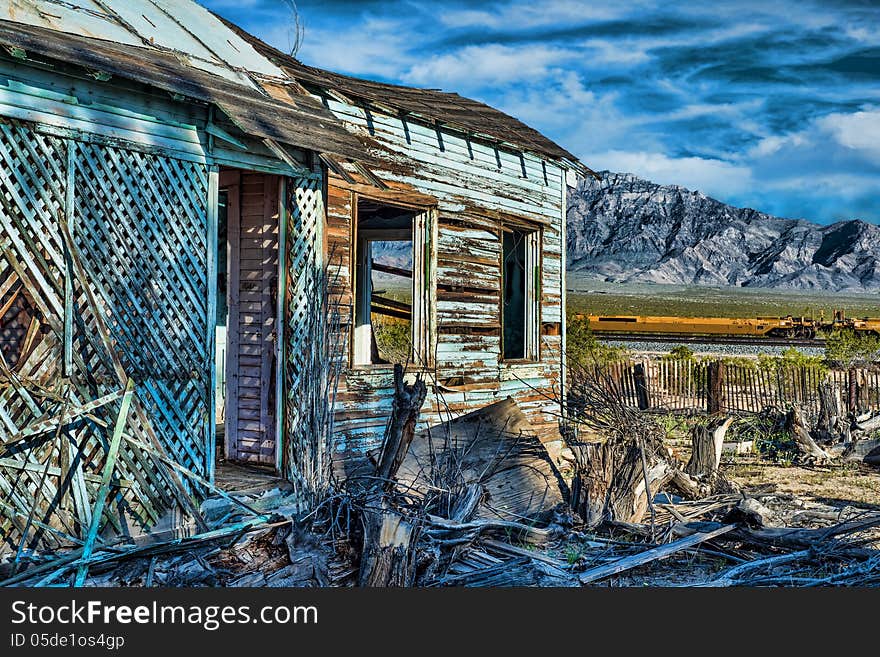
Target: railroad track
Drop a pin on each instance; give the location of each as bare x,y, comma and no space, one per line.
710,339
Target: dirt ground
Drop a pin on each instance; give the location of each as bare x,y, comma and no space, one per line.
846,484
804,496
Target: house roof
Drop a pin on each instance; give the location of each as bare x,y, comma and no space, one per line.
181,27
433,105
181,47
301,121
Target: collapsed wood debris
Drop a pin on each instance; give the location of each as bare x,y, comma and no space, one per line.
479,503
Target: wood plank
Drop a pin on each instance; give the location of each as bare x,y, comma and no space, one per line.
104,490
653,554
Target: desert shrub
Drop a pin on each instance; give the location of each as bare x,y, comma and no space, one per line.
846,347
680,352
584,350
772,441
791,358
393,338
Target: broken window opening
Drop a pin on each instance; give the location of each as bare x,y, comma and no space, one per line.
390,285
520,278
391,304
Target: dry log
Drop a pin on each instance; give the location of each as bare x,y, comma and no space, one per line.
751,512
861,450
786,537
689,486
869,424
805,442
734,576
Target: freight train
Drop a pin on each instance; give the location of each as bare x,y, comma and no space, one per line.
777,327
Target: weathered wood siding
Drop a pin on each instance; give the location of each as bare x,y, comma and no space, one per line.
476,188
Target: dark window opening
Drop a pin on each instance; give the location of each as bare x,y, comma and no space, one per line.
514,277
520,277
18,323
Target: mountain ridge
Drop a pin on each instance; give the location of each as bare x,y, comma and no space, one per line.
628,229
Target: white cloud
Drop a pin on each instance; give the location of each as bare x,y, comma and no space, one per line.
841,139
474,66
774,144
601,52
859,131
523,15
374,47
713,177
565,109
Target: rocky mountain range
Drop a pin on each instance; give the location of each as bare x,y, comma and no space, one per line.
626,229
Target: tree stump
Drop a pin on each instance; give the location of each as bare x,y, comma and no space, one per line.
811,451
831,426
386,557
706,443
613,482
401,428
386,554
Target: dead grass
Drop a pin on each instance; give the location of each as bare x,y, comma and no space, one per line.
851,483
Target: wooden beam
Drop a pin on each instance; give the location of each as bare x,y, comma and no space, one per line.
42,426
659,552
215,130
388,269
69,205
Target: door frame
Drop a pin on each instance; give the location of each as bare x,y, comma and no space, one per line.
230,181
280,337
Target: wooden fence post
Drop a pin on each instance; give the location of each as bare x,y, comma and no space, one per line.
641,386
715,401
852,392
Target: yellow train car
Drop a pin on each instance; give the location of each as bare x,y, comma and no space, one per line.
865,325
783,327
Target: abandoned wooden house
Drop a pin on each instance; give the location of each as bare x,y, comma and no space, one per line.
197,232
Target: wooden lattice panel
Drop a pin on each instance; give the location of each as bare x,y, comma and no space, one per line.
308,371
142,231
139,230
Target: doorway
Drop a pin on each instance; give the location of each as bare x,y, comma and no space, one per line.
247,344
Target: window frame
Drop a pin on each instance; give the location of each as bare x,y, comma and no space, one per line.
534,252
423,323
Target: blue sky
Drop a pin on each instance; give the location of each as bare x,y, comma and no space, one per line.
773,104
